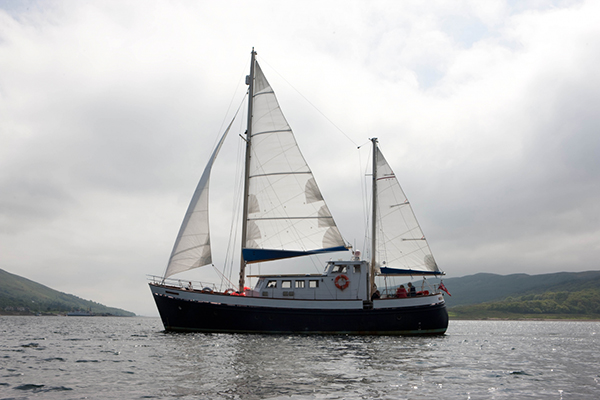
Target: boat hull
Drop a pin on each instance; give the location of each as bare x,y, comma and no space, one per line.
190,314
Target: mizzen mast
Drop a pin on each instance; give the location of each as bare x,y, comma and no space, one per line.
373,221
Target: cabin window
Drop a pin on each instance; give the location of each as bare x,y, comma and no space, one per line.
357,269
300,284
339,269
271,284
286,284
313,284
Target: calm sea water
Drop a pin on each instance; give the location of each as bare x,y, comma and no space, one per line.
132,358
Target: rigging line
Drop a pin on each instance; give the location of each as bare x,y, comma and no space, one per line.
236,212
367,142
243,77
222,276
363,188
309,102
367,201
234,117
365,196
218,137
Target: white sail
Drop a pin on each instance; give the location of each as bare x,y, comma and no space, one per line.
401,246
192,246
287,215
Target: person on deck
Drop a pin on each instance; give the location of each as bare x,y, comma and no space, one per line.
412,292
401,292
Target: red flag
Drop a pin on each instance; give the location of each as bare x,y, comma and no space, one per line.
442,287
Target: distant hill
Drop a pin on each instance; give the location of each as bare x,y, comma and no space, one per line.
583,304
557,295
484,287
19,295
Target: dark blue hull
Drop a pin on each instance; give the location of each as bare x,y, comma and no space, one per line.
181,315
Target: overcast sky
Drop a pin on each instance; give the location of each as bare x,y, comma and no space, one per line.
488,112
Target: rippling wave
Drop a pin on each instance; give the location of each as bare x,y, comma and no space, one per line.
133,358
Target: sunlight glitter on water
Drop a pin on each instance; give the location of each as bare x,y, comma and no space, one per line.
131,358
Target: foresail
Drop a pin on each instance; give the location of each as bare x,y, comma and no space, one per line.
401,245
192,246
287,215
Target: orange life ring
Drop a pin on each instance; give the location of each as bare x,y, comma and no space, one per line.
345,282
229,291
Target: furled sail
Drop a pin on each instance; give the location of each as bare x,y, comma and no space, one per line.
287,216
192,246
401,246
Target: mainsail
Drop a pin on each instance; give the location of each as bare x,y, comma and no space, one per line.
401,246
192,246
287,216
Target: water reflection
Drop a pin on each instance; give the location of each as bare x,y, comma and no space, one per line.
270,366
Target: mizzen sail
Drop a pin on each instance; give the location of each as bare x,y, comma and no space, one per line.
401,245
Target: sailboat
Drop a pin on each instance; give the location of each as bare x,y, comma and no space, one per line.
285,216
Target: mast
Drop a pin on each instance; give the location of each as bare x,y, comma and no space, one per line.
373,221
250,82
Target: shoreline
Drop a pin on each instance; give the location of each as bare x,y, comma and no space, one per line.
526,319
16,314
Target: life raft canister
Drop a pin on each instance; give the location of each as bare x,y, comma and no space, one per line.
342,282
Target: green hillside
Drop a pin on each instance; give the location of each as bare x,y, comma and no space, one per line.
19,295
564,295
484,287
583,304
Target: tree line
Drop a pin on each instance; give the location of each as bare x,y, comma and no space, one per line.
583,303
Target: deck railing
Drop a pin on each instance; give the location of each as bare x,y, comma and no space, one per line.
181,283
